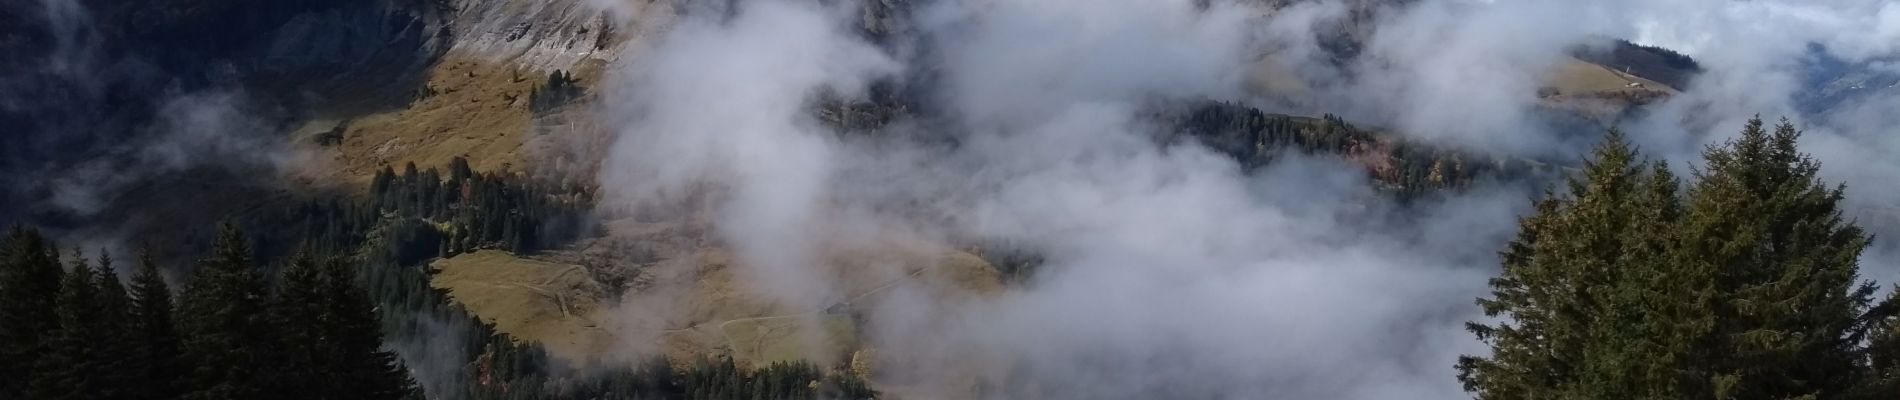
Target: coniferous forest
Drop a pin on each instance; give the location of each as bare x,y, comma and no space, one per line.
1407,170
1738,282
319,322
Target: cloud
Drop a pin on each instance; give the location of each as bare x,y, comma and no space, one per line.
91,122
1461,73
1081,51
724,101
212,129
1172,271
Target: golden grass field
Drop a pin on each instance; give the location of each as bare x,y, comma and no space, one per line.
698,304
554,304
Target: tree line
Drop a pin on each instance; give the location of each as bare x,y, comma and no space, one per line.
246,312
1404,169
1741,283
483,210
426,214
560,89
72,330
417,215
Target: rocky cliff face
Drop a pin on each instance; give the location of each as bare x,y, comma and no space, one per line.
552,34
376,42
286,45
92,84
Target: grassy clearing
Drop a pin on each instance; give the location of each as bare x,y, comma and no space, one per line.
553,304
1576,77
765,340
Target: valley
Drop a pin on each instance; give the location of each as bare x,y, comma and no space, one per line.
802,199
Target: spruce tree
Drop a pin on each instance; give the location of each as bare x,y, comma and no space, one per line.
115,331
1744,286
155,366
380,185
75,358
1783,264
364,369
1881,357
1569,328
30,278
297,312
227,337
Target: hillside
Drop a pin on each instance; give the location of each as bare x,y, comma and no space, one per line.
854,199
687,300
475,101
1597,91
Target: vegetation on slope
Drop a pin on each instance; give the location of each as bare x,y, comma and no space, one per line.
1742,285
1404,168
551,304
237,323
1649,62
229,335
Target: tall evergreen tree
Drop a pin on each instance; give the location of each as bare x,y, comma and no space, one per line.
1784,265
30,278
115,331
364,369
331,338
297,311
227,337
155,366
75,357
1744,286
1883,351
1569,332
